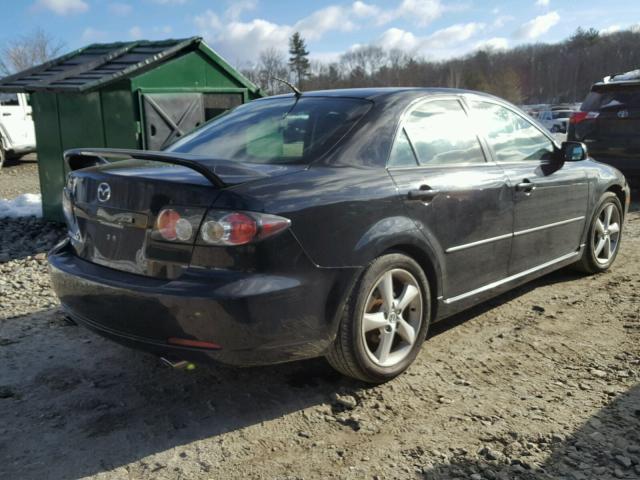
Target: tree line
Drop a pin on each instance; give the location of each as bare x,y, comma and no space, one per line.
527,74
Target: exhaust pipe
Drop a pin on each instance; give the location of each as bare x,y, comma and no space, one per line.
178,364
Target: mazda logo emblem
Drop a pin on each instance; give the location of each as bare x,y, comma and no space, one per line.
104,192
623,113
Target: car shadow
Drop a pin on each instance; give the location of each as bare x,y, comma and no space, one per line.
606,446
84,405
559,276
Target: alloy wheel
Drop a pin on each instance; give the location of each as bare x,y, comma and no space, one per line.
606,234
392,317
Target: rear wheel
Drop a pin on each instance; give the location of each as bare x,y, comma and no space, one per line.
3,154
384,322
605,234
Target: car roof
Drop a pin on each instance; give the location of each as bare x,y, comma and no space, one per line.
377,93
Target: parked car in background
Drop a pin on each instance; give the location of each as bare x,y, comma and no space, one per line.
338,223
609,122
555,120
17,134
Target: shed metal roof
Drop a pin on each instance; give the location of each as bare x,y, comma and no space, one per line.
97,65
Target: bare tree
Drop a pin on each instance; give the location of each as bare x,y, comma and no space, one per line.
28,50
272,65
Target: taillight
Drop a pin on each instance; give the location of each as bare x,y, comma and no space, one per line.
577,117
223,227
177,224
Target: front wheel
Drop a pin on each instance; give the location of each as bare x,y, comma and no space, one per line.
604,237
384,322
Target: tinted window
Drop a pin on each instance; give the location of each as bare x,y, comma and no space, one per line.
8,99
441,133
279,130
512,137
612,97
402,153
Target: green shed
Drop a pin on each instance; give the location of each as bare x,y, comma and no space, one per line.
141,94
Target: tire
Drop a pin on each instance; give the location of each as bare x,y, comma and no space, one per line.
594,258
361,354
3,154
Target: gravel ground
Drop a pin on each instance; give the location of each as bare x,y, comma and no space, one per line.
540,383
19,176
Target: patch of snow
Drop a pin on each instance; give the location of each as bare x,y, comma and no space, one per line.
25,205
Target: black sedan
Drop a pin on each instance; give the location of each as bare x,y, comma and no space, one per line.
336,223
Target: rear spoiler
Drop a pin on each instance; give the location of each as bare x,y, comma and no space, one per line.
79,158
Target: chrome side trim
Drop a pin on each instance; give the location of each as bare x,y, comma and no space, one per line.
550,225
479,242
457,248
524,273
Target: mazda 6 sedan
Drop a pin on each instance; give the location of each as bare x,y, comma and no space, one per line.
334,223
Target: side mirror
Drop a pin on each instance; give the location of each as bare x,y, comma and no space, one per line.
574,151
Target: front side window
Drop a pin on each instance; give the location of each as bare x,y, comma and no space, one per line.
513,138
275,131
441,134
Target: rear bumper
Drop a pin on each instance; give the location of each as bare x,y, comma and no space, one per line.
256,318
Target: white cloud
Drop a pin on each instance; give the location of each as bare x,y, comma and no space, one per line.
396,38
91,34
537,27
610,29
495,43
439,44
542,3
63,7
121,9
237,8
502,20
135,32
324,20
361,9
421,12
165,30
171,2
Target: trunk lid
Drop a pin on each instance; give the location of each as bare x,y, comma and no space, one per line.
111,208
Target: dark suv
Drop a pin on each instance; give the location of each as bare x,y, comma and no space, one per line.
609,122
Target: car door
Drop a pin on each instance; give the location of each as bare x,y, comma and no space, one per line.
461,202
13,121
550,197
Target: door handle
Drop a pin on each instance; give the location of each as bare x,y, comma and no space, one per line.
6,114
526,186
425,193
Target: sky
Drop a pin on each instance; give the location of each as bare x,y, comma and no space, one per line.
240,29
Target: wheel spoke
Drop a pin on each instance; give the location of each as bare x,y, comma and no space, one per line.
373,321
607,248
407,296
600,246
600,227
614,228
406,331
607,215
386,290
384,348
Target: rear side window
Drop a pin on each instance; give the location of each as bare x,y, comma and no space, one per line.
8,99
612,97
283,130
402,153
512,137
441,133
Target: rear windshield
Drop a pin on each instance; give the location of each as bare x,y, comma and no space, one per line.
561,114
276,131
612,97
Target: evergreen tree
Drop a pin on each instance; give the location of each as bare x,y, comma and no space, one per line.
298,61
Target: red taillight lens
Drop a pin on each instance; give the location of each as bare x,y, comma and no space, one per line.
239,228
577,117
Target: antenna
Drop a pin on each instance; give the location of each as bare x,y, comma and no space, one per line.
296,91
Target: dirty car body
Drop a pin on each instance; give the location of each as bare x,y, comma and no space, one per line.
297,213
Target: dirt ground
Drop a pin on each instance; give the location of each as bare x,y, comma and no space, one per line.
543,382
